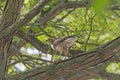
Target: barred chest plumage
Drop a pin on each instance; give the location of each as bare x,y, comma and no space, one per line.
63,44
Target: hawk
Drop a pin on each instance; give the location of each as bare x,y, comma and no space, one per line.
63,44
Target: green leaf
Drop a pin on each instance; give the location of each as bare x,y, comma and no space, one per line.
100,5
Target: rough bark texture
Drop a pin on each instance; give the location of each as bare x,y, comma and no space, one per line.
11,14
9,31
74,65
10,23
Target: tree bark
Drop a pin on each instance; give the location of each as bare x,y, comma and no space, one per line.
73,66
11,14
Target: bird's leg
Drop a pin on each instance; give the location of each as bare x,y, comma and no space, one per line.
61,55
49,52
66,52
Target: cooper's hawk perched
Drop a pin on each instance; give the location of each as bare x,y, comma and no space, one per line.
63,44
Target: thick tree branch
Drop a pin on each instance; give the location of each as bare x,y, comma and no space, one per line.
33,41
76,64
58,8
11,14
28,17
98,71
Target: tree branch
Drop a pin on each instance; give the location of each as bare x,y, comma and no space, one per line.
28,17
74,65
33,41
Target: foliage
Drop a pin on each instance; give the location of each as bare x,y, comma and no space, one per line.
105,25
97,25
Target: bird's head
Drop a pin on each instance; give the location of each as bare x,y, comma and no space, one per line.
50,41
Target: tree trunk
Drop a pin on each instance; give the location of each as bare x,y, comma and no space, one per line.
11,14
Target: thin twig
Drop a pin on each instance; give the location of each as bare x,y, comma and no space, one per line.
65,16
90,31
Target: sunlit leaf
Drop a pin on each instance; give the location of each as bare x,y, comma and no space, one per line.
100,5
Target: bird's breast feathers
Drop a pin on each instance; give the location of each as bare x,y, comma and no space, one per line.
64,42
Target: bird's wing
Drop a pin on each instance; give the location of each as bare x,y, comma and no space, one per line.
70,41
59,40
